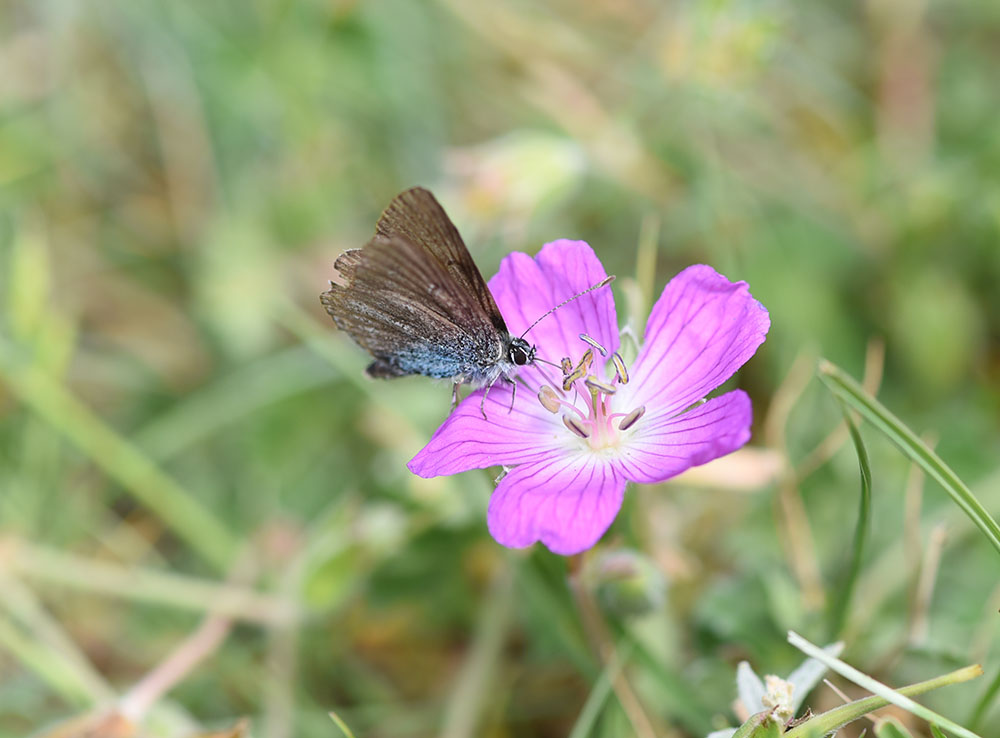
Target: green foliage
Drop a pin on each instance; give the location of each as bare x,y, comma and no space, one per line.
892,728
191,460
759,726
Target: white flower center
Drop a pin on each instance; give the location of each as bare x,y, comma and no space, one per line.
597,424
779,696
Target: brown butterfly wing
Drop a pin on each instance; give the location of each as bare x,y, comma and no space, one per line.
416,216
400,304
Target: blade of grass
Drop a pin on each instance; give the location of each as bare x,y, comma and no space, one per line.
145,585
48,664
983,705
340,724
891,728
598,696
896,697
679,699
225,402
841,606
120,459
850,392
475,682
23,605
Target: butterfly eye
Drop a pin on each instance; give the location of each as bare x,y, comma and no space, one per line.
521,354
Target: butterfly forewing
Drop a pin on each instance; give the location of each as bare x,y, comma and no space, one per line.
416,216
398,301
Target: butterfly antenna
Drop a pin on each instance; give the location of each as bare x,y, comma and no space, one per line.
606,281
544,361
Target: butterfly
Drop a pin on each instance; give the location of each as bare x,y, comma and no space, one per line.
415,300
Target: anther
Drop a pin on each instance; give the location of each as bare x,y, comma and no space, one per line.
629,420
576,426
567,365
596,384
587,339
586,360
549,399
579,373
620,367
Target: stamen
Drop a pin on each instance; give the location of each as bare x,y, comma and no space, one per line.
629,420
579,373
567,365
576,426
587,339
596,384
549,399
586,360
620,367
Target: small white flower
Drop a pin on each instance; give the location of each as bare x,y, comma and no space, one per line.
784,696
779,698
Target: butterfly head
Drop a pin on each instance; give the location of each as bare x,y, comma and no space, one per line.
520,352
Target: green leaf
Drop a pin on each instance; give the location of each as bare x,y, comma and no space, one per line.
759,726
852,394
937,732
842,604
892,728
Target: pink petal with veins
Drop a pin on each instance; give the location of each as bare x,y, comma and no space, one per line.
566,502
702,329
526,288
662,447
509,435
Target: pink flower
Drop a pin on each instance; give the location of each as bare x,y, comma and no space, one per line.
571,451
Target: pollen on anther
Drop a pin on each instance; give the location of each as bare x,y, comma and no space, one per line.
567,365
575,426
549,399
620,367
629,420
596,384
568,380
587,339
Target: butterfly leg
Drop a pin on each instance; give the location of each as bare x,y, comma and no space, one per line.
454,395
482,403
513,393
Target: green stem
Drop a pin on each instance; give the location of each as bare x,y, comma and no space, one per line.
834,719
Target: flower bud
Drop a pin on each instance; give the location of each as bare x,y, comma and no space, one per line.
627,583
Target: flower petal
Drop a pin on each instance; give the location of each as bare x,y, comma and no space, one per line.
517,434
664,446
525,289
724,733
702,329
749,687
808,675
566,502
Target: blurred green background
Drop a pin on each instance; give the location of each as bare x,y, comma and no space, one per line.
193,466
